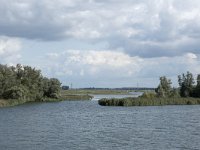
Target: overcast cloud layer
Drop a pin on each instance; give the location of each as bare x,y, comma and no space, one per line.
145,38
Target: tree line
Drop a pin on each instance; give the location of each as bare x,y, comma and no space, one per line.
187,86
27,83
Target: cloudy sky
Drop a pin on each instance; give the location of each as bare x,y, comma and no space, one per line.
102,43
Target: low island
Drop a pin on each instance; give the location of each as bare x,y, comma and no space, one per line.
186,94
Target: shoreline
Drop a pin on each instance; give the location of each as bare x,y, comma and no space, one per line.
127,102
15,102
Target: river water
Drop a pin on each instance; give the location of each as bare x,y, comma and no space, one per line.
77,125
132,94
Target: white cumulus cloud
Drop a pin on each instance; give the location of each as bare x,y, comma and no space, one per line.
9,50
115,69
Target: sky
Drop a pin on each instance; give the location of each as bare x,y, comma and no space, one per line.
102,43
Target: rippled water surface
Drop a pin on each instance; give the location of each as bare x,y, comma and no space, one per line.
88,126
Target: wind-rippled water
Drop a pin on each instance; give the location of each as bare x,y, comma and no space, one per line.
88,126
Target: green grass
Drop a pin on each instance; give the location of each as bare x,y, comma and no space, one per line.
91,92
76,97
149,101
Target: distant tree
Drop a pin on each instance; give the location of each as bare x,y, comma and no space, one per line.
186,83
175,93
51,87
164,88
54,88
196,92
198,80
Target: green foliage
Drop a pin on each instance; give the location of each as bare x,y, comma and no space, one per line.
148,95
198,80
196,90
186,83
25,82
148,102
174,93
16,92
165,94
54,88
164,88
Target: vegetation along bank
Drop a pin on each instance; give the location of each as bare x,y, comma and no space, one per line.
20,84
188,93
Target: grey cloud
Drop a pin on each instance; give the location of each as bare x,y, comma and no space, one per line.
147,28
31,20
151,49
32,32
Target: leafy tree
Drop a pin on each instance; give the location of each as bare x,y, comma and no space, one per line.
186,83
54,88
164,88
198,80
196,92
175,93
7,79
25,82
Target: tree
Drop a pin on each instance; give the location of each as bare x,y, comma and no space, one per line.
186,83
25,82
7,79
175,93
164,88
196,92
198,80
54,88
51,87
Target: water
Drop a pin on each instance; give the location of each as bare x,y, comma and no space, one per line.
132,94
84,125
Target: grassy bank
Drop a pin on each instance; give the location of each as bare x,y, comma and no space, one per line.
149,102
14,102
